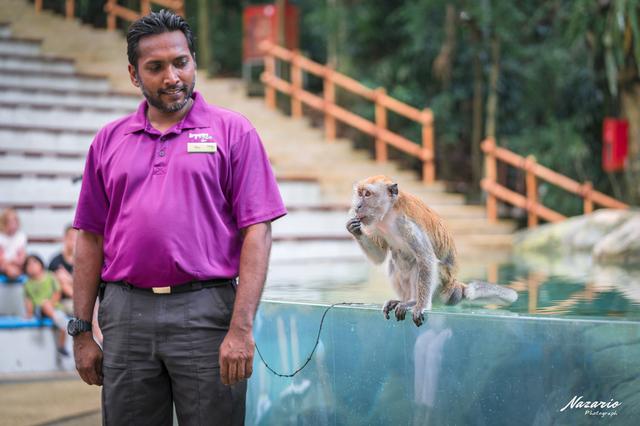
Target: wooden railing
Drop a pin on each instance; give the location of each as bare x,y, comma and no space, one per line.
115,11
69,8
332,112
534,171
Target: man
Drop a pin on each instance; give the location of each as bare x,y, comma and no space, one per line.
62,267
176,202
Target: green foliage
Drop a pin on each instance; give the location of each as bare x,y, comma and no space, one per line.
562,65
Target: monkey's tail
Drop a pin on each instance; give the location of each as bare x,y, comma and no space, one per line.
490,292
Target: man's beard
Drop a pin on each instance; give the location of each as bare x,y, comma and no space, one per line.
156,101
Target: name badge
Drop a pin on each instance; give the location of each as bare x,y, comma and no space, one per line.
208,147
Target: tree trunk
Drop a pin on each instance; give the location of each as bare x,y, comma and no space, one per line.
281,16
476,123
492,97
204,58
630,104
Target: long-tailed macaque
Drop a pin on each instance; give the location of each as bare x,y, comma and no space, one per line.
423,254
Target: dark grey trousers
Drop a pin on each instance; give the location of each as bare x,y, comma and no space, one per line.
163,349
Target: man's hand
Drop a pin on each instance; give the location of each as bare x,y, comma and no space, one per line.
236,356
88,357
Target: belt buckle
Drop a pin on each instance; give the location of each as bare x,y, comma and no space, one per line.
161,290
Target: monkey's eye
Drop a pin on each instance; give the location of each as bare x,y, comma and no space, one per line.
367,193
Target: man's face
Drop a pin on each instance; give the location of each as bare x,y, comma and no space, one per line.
166,71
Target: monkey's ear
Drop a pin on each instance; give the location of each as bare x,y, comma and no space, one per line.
393,189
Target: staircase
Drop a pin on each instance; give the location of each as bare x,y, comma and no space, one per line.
61,81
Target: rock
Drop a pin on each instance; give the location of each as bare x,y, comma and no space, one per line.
551,239
595,227
622,245
609,236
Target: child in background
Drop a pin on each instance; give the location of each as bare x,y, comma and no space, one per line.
13,243
42,297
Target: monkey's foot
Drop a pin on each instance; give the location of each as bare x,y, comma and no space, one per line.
418,317
402,308
389,306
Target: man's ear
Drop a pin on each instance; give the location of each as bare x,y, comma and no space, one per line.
133,75
393,189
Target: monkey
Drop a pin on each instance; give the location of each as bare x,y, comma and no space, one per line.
384,219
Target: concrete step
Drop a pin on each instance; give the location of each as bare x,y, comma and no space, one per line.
282,251
20,46
62,117
17,63
63,191
28,166
45,223
51,96
38,80
11,149
41,140
27,191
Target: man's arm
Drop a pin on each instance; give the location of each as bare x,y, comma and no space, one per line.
86,279
237,349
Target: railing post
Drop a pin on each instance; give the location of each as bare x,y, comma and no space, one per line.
145,7
38,6
270,73
532,191
491,176
296,85
111,17
587,202
69,9
329,100
428,157
381,124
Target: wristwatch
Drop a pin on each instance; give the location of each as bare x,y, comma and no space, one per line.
77,326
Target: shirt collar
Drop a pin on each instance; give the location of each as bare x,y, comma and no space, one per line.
195,118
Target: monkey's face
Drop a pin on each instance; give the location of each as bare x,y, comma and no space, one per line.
372,201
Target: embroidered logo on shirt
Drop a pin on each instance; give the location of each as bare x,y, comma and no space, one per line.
201,143
200,137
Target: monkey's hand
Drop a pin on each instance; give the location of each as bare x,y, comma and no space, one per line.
354,226
403,308
418,317
389,306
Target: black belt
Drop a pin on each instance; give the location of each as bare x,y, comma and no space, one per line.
179,288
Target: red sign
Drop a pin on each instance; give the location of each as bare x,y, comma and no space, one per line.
261,23
615,144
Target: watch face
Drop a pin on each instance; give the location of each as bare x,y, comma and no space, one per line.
71,327
77,326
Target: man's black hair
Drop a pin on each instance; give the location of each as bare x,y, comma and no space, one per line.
156,23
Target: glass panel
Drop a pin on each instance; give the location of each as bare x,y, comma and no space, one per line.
458,368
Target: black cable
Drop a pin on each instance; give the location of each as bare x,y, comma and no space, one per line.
315,346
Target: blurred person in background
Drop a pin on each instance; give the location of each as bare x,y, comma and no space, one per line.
62,267
42,298
13,245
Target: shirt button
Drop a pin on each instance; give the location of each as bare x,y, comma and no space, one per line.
161,153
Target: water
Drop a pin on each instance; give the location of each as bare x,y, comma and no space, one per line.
572,337
567,287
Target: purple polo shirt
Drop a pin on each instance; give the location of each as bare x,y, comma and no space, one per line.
170,216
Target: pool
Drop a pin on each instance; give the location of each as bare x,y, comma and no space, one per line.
567,352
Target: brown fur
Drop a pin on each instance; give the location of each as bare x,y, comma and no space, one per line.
429,221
